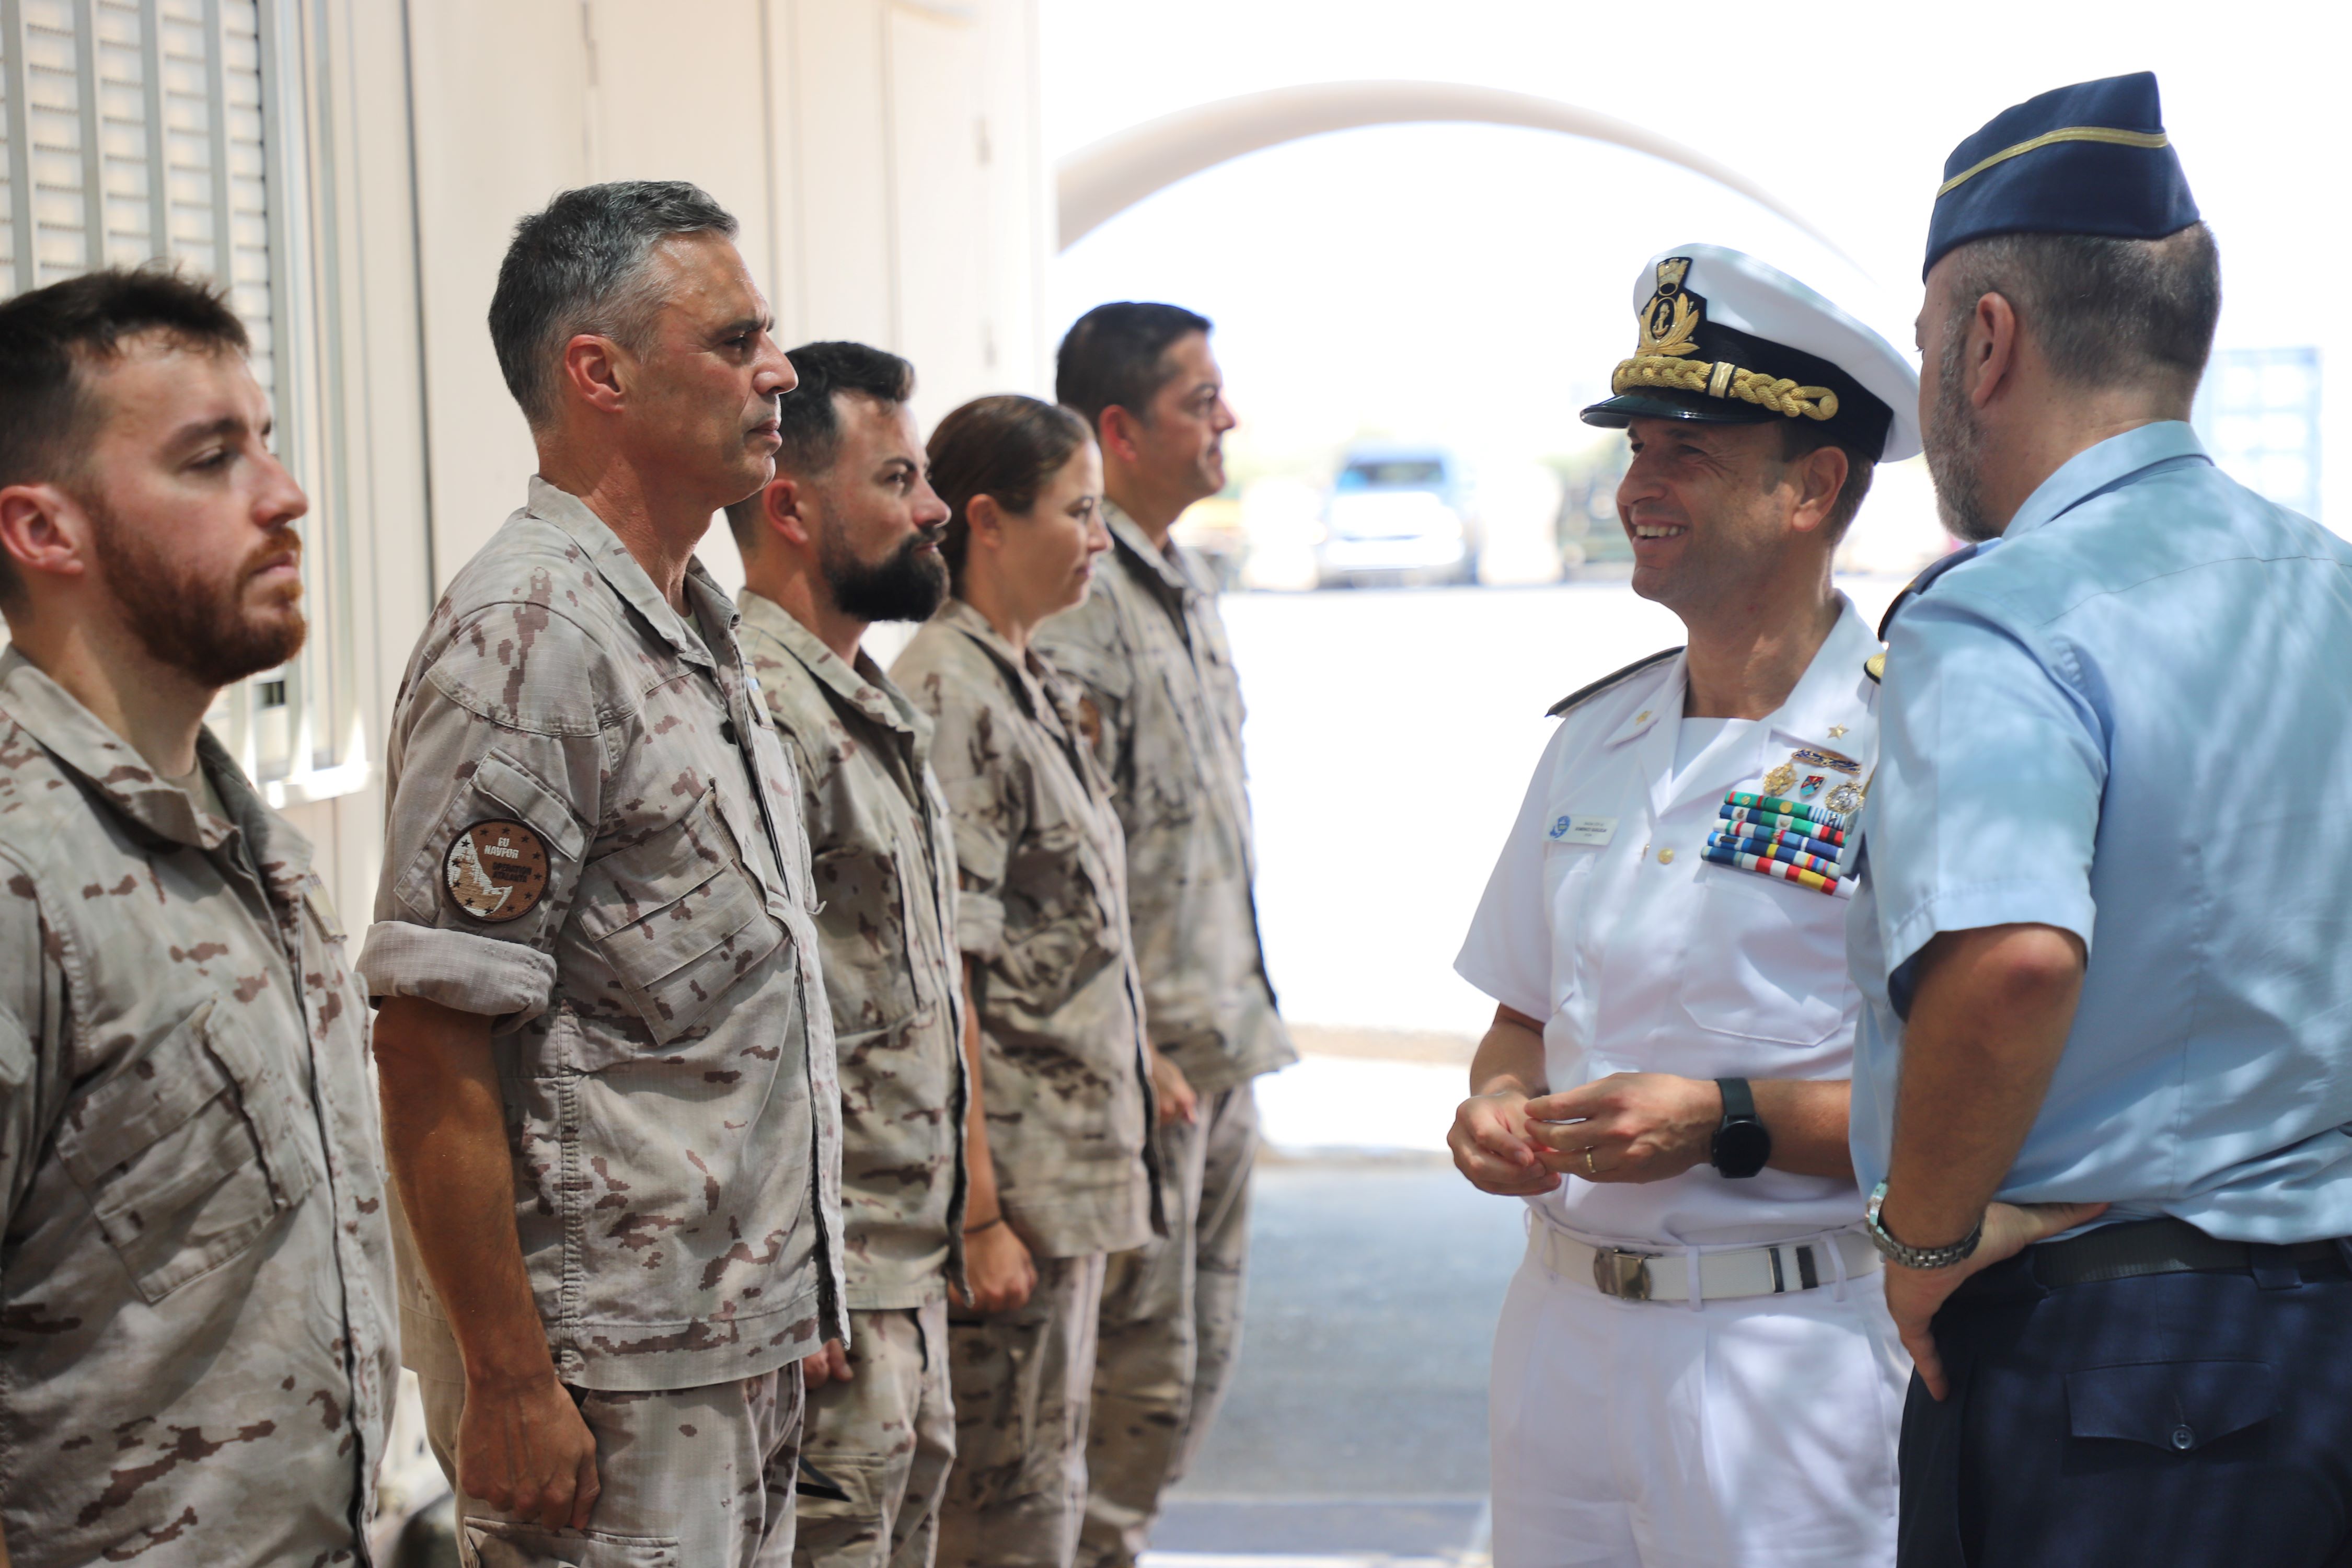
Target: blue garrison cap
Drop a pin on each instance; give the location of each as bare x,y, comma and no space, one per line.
2088,159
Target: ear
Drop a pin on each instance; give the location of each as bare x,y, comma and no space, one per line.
1820,476
784,510
595,368
1990,361
44,531
986,520
1121,433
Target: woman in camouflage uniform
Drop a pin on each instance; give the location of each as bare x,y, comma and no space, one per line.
1061,1171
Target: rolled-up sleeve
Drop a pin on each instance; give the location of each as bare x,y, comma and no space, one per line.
1985,811
455,767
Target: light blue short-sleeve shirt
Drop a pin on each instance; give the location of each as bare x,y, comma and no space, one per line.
2132,718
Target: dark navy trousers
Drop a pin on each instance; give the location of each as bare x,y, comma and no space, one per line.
2171,1421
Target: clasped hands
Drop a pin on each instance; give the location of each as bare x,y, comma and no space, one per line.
1627,1127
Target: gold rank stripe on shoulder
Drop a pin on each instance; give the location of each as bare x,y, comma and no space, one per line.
2108,133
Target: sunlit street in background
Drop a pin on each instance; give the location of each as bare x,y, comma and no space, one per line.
1423,553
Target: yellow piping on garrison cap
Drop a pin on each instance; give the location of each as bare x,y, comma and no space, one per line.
2149,139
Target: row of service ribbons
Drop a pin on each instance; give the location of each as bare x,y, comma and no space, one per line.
1790,840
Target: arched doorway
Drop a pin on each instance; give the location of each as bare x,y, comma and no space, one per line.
1100,181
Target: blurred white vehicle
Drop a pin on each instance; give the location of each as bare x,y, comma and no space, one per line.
1399,514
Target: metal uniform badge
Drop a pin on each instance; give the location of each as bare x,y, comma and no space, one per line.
495,870
1780,780
1672,313
1845,800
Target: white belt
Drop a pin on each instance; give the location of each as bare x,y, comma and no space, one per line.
1634,1276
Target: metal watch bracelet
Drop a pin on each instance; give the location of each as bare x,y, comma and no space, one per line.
1896,1252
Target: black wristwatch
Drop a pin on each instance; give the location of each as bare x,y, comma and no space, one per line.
1742,1143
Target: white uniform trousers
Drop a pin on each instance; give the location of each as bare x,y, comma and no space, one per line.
1753,1433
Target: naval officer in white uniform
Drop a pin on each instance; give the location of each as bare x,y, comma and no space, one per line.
1694,1366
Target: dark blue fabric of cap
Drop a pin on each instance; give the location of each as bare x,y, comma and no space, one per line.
2088,159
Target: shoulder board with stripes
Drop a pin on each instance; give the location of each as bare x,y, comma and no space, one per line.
1605,682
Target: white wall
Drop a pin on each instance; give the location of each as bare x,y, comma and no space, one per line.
882,156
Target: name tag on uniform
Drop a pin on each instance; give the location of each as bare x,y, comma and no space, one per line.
1595,830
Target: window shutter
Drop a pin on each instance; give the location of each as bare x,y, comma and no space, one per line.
136,129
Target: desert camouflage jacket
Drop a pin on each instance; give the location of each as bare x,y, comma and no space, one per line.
1147,650
1066,1077
593,840
885,860
196,1359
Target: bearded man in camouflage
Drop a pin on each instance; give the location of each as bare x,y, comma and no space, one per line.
1164,712
847,535
195,1290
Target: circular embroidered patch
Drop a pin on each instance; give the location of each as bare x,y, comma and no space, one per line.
497,870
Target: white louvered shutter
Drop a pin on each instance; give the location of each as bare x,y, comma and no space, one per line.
136,129
136,126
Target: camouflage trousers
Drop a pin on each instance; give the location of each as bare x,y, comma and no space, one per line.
691,1477
1022,1377
886,1436
1171,1325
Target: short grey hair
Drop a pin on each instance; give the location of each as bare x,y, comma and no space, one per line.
582,265
2104,310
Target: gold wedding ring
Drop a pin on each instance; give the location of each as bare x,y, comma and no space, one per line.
1589,1168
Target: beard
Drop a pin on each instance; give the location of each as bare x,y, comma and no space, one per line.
907,585
1955,440
198,624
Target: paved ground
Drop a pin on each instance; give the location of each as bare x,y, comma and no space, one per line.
1358,1421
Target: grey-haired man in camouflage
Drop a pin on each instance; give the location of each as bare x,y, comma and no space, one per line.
195,1294
847,535
1148,651
606,1050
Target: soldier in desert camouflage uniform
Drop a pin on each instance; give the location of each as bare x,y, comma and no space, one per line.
1147,650
1064,1173
847,533
607,1055
196,1321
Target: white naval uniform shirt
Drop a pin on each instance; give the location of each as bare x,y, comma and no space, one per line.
1642,955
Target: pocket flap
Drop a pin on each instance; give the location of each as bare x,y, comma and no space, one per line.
634,884
536,806
2177,1405
147,1099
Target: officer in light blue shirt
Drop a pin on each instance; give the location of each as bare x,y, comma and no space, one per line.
2103,1089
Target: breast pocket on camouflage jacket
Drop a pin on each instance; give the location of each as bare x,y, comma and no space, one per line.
862,893
678,918
1059,929
184,1151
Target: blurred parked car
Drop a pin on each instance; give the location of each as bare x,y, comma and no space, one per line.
1399,514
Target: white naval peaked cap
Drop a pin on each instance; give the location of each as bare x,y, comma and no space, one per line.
1725,338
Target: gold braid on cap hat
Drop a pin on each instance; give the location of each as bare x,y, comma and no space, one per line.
1661,357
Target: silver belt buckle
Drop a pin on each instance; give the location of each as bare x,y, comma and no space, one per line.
1624,1274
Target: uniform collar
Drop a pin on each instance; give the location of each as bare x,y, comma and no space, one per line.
863,685
1825,694
1167,565
1033,692
1829,693
122,778
620,569
2111,463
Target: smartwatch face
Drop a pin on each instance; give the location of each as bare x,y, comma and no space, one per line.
1742,1148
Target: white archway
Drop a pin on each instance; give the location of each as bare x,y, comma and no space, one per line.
1099,181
